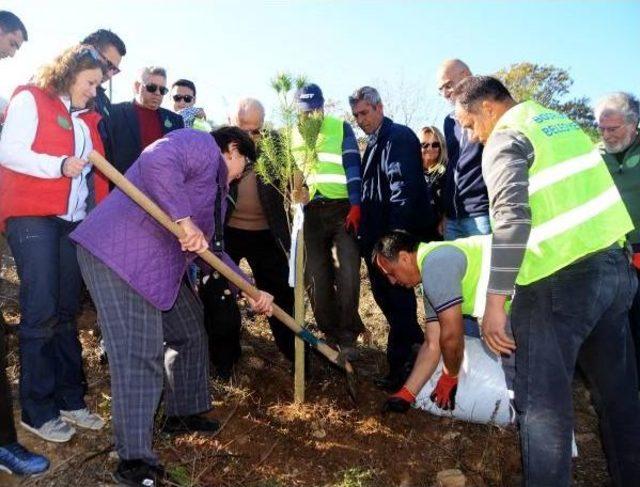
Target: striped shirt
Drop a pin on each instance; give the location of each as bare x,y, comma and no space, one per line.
505,168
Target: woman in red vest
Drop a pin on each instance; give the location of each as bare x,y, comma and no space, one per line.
46,188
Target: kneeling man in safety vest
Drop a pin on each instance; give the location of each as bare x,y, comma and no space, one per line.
454,276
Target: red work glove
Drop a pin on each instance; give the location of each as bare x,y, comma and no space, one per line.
400,402
352,222
444,395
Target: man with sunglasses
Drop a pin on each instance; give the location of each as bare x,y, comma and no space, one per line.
137,124
110,49
183,94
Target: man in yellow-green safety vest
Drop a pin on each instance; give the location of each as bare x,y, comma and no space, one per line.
559,227
454,277
326,153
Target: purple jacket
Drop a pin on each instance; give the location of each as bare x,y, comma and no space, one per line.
182,173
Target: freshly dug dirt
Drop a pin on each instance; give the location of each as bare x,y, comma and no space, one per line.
327,441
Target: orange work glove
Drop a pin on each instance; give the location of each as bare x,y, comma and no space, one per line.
400,402
352,222
444,395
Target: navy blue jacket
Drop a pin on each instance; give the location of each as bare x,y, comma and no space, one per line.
125,128
395,194
465,193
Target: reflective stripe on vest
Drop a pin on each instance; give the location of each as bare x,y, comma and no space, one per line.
575,207
475,282
325,174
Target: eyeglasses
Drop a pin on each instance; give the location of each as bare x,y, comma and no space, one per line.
152,88
186,98
112,68
426,145
445,87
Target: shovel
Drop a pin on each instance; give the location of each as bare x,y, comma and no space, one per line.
210,258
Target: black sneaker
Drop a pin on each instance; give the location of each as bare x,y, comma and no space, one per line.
190,424
138,473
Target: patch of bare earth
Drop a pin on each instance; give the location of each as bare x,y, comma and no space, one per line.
327,441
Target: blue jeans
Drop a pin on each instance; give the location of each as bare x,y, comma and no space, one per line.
579,315
51,374
466,227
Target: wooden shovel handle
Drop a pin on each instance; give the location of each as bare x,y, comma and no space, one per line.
209,257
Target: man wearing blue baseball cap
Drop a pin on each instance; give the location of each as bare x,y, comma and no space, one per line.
326,152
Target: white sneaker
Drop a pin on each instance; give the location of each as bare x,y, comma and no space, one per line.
83,418
54,430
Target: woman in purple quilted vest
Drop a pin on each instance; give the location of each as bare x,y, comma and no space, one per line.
151,320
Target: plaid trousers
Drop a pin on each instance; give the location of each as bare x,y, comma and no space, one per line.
146,345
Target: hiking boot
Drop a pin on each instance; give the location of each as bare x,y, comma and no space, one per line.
138,473
54,430
83,418
16,459
190,424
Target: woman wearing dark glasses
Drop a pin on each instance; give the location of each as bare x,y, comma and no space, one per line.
434,163
46,188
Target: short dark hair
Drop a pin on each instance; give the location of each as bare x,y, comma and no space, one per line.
394,242
104,38
228,134
9,22
186,84
473,89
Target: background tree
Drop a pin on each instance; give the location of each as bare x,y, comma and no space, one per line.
549,86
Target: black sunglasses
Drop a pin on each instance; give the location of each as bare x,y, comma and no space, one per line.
186,98
152,88
112,68
426,145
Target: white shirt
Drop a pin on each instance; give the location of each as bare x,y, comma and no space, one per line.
18,134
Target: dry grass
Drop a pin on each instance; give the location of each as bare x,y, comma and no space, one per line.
267,441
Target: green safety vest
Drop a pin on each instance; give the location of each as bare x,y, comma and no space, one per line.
575,207
325,174
477,250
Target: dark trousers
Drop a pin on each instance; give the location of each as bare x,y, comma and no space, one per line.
7,428
270,269
634,321
399,307
579,315
51,374
332,270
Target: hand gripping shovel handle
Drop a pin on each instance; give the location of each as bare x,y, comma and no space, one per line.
209,257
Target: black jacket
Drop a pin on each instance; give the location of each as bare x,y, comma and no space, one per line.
395,195
126,132
465,193
103,107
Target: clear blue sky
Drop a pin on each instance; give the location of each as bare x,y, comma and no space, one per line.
232,48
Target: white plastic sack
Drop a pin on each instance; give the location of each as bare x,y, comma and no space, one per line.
482,395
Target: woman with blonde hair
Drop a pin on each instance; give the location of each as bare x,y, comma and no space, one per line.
47,187
434,163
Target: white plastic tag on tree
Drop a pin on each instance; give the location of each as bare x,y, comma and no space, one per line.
298,222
